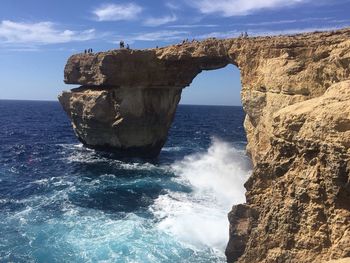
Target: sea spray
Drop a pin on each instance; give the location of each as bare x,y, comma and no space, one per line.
216,178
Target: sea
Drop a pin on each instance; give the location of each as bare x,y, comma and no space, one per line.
63,202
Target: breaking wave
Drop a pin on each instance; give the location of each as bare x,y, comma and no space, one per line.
216,179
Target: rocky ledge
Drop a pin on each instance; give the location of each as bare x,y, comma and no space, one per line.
296,95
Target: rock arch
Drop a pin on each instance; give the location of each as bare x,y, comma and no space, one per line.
128,99
275,72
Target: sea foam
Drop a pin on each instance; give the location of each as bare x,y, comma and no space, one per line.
216,178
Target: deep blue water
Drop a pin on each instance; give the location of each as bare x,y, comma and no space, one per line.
61,202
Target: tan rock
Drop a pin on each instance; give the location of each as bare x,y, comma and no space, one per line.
133,122
275,71
301,187
344,260
295,92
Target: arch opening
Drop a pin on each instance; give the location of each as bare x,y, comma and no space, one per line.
214,87
209,138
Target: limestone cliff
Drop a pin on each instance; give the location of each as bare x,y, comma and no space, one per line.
296,97
133,122
298,197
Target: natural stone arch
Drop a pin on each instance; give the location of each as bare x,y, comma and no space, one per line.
128,99
275,72
214,87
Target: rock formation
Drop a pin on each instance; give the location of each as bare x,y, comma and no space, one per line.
300,189
130,121
296,95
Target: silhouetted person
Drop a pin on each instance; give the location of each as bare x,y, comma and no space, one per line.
85,51
121,44
127,46
245,34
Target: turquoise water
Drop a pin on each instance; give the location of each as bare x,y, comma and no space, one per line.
62,202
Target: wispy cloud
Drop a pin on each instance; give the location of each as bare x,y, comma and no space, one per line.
262,32
172,6
219,34
241,7
172,36
163,35
339,21
24,49
282,22
154,36
193,26
293,31
39,33
117,12
158,21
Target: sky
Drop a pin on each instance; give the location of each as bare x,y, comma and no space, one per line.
38,36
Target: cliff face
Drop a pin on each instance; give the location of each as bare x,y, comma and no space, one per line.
298,197
296,96
130,121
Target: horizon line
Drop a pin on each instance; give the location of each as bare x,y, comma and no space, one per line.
184,104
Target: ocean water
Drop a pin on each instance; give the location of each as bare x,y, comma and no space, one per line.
62,202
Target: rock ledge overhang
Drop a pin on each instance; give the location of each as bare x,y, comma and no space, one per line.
295,92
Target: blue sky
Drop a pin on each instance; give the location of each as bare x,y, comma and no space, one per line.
37,36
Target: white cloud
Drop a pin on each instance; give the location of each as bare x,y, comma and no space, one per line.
178,36
262,32
293,31
241,7
163,35
172,6
158,21
159,36
40,33
193,26
291,21
218,34
117,12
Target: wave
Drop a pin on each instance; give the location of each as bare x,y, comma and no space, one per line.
172,149
189,221
77,153
216,178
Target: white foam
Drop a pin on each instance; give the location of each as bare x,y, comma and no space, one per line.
172,149
138,166
41,181
79,154
216,177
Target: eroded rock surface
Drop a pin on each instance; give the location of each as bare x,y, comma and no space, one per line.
296,97
301,187
129,121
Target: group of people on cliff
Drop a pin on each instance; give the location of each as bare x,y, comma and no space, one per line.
244,35
122,45
88,51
